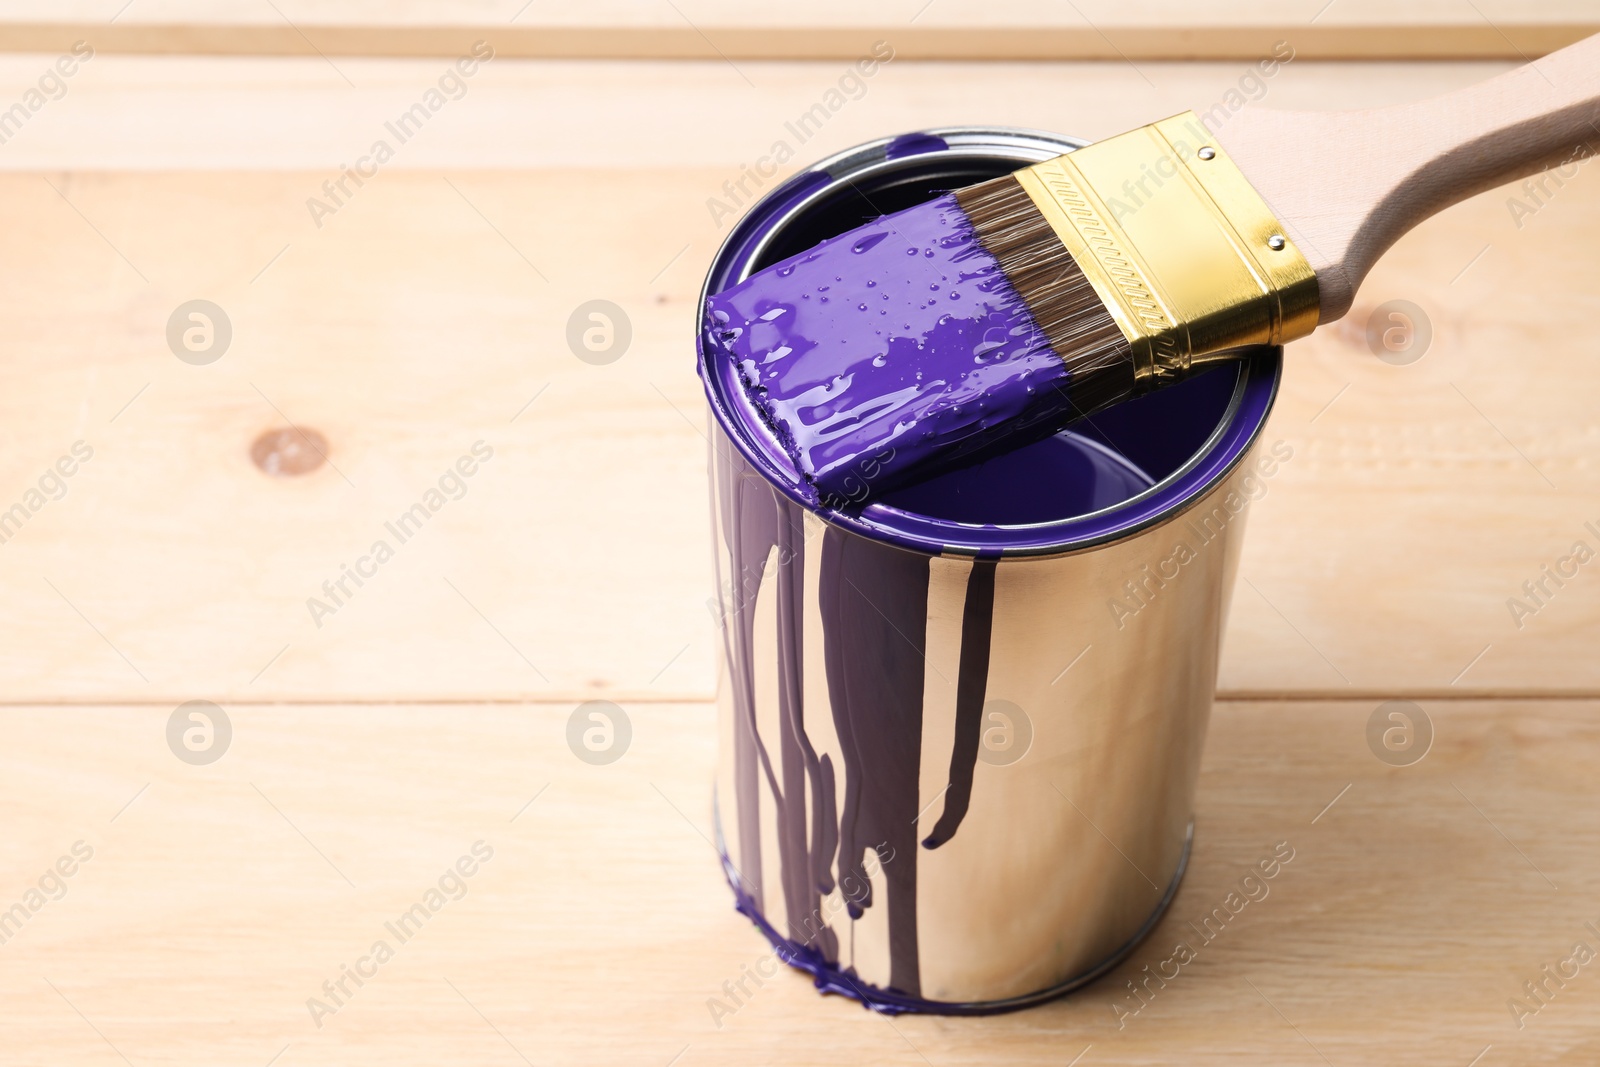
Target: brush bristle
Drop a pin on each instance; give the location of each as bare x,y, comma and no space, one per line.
1065,306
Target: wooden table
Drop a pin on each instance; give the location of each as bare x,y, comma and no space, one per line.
374,745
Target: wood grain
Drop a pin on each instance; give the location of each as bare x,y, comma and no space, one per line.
411,326
1398,165
220,898
424,314
830,29
204,113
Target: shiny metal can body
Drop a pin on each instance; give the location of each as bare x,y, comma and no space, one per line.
960,728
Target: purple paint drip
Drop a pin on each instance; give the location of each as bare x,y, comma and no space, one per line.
829,977
1048,495
896,341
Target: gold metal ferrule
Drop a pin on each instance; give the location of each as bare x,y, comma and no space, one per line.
1185,254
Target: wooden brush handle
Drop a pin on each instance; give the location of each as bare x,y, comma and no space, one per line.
1348,184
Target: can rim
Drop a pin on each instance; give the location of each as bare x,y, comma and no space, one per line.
1237,429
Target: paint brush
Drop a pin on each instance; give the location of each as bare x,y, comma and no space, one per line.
994,316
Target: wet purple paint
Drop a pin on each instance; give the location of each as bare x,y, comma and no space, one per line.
899,340
873,602
1117,473
914,144
1031,500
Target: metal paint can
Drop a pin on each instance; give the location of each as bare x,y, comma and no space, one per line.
960,728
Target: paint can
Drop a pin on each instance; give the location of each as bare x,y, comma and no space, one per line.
960,728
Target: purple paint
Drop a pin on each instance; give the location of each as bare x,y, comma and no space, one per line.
1151,455
829,977
899,340
972,683
873,600
1118,472
759,525
914,144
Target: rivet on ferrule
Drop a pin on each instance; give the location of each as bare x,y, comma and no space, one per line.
1176,249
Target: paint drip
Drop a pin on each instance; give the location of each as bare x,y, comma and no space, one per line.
873,601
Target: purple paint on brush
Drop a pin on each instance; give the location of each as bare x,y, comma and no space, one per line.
898,340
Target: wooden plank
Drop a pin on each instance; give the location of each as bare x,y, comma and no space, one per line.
219,898
1118,42
831,29
1433,491
198,113
418,319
